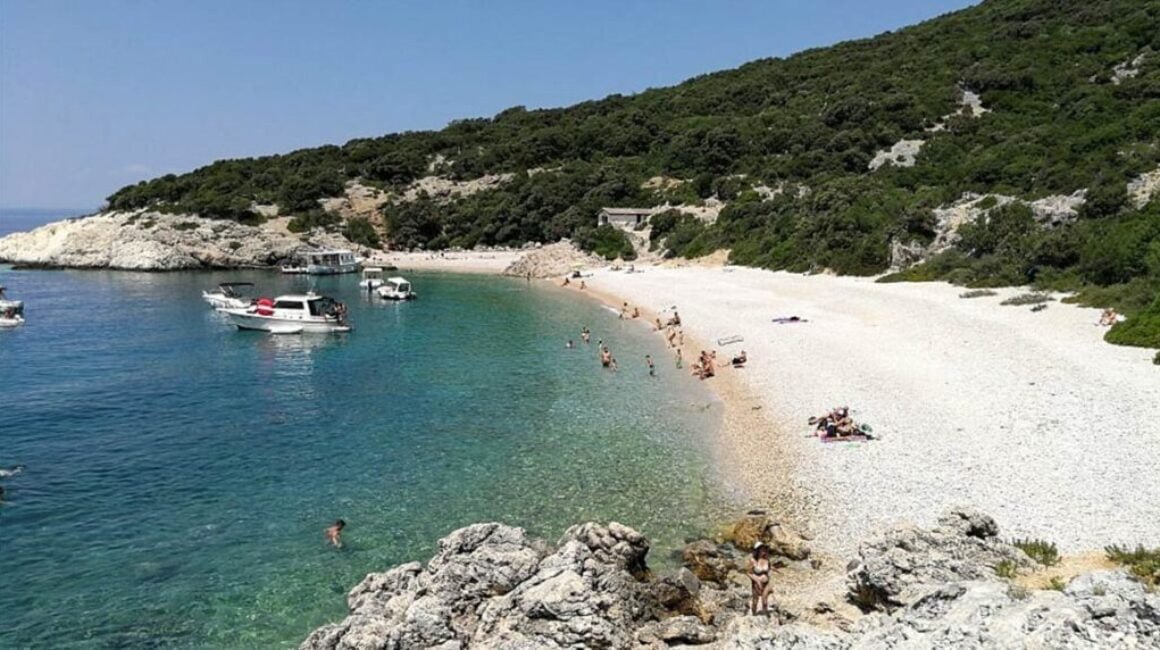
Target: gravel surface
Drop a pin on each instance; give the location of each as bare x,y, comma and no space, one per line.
1028,416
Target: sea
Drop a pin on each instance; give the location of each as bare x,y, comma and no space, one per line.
179,473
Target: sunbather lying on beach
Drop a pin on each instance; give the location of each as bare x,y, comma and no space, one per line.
740,360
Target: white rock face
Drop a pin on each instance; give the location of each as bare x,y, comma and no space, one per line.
904,153
553,261
358,201
1127,69
1050,212
445,189
151,241
1143,188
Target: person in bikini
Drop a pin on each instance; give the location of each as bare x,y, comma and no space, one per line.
605,357
759,570
334,533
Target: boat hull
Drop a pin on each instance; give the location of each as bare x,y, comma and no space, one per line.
332,269
278,325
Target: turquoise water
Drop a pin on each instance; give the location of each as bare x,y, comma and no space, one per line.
180,473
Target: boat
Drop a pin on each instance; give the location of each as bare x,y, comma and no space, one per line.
10,321
291,314
10,308
229,295
397,289
330,262
372,278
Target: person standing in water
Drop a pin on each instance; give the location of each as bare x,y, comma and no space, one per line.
652,368
334,533
605,357
680,359
585,335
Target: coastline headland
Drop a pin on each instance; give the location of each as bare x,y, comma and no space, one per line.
493,586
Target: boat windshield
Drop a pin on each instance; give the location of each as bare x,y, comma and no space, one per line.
321,307
404,286
288,304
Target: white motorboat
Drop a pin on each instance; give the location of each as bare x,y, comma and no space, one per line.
10,308
229,295
397,289
372,278
11,321
292,314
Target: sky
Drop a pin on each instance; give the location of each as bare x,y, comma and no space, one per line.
98,94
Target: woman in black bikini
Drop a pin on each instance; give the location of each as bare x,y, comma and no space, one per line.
759,569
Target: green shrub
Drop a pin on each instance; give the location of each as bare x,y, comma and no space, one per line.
1143,563
186,225
1041,551
360,231
1141,329
1028,299
977,293
607,242
1057,584
234,245
316,218
1156,359
1006,569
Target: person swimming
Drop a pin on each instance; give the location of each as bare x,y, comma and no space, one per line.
334,533
605,357
569,345
652,368
12,471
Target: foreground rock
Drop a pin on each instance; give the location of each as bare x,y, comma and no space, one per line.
491,586
553,261
151,241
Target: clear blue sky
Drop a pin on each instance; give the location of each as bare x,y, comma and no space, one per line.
96,94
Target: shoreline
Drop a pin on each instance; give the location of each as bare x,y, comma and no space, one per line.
972,403
742,412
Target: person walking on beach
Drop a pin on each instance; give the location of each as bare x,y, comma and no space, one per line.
334,533
652,368
583,286
758,568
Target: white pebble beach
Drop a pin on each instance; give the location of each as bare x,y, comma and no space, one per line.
1028,416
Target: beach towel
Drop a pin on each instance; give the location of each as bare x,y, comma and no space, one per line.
736,338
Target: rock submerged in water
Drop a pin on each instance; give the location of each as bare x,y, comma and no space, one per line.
491,586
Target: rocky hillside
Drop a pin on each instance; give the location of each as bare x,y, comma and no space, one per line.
141,240
1013,142
492,586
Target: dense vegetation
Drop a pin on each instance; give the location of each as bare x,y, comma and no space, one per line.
810,125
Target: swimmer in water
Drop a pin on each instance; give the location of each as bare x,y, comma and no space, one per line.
569,345
652,369
334,533
16,469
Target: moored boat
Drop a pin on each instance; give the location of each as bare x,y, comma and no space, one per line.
229,295
292,314
397,289
10,308
372,278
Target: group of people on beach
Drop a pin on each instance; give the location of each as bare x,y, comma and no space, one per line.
835,424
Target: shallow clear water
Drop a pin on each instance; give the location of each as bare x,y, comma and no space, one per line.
180,473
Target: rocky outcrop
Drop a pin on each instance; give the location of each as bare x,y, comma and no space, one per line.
553,261
1142,188
904,153
152,241
445,189
1049,212
490,586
